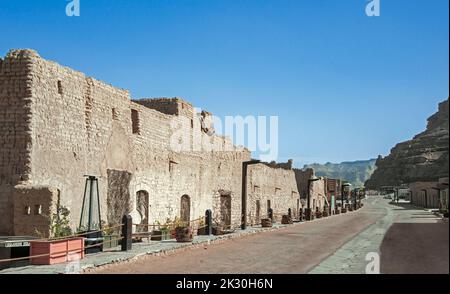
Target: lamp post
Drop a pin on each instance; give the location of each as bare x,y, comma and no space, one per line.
342,193
308,209
245,165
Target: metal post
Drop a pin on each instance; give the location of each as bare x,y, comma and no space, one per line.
127,229
91,202
208,222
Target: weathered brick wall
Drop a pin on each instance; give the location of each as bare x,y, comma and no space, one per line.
33,205
318,196
276,185
81,126
317,189
302,177
15,137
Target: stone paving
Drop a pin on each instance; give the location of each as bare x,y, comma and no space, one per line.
351,258
139,249
348,258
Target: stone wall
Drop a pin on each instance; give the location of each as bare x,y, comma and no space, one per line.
302,177
67,125
271,186
15,136
33,207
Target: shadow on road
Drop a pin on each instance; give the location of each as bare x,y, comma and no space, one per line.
416,248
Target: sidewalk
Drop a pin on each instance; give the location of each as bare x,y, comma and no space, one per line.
139,249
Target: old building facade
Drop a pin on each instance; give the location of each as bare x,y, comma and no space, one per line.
58,125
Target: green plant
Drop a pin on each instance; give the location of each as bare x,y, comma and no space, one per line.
201,223
178,223
106,229
60,223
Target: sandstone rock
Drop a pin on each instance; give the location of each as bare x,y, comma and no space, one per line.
424,158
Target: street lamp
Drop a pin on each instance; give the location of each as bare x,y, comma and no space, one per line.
342,192
245,165
308,209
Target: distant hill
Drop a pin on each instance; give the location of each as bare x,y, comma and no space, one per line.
356,172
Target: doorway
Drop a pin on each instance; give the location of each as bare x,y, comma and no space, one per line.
142,206
225,210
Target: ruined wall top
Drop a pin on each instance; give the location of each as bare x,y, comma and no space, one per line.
21,53
170,106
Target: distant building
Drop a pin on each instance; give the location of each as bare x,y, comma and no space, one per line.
430,194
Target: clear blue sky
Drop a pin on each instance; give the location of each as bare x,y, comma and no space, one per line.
324,67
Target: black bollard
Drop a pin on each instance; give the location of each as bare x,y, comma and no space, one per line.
127,230
270,214
208,222
290,212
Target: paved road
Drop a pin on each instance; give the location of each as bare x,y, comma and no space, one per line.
338,244
415,248
293,250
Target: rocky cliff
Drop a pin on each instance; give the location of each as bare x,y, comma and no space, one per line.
424,158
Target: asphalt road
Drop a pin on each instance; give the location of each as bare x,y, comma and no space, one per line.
294,250
415,248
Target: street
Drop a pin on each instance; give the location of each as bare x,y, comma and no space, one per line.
337,244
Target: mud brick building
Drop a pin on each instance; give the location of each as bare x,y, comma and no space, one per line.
58,125
317,189
430,194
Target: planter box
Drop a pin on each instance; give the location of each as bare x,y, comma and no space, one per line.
202,232
266,223
111,241
218,231
184,234
160,235
59,251
286,220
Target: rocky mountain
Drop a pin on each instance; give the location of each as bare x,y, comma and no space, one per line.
424,158
356,172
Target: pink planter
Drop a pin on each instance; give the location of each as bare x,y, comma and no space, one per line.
59,251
